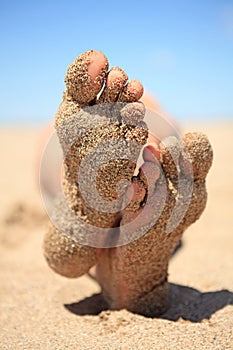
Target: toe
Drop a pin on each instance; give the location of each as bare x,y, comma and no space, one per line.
149,173
151,152
133,113
85,76
137,193
132,92
198,152
115,81
170,149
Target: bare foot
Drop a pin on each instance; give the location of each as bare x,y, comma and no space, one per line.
133,276
100,122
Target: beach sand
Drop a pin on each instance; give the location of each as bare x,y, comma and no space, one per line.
42,310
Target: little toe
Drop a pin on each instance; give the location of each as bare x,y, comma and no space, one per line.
85,76
115,81
132,92
133,113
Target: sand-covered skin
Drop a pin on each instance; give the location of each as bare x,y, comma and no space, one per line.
108,140
42,310
82,129
134,276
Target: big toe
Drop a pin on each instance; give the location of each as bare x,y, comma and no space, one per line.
198,153
85,76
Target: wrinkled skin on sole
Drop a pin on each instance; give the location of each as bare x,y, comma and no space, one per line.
134,275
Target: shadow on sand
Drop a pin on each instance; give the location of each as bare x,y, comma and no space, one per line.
186,303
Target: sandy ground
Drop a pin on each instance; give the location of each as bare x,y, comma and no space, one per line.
41,310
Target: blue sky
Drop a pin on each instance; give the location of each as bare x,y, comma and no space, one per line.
182,51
